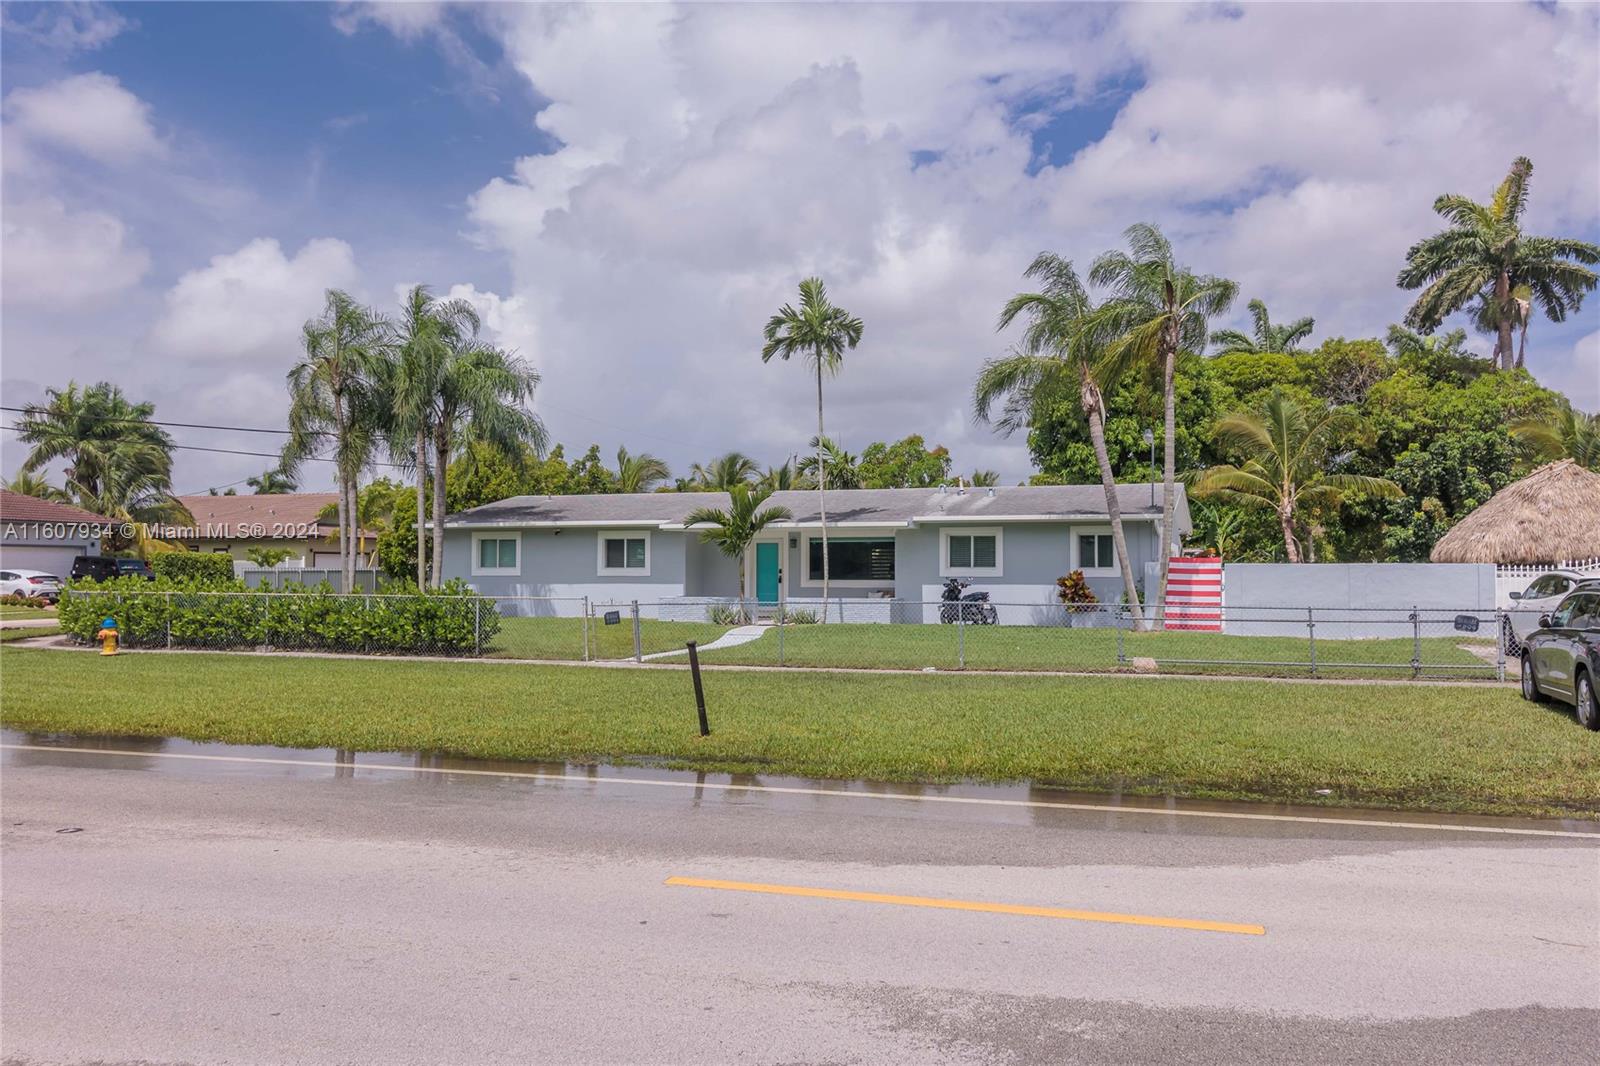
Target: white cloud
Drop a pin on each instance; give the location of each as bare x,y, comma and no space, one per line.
406,20
251,303
1579,376
58,258
65,28
89,114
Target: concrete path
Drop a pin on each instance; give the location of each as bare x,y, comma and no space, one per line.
489,919
28,623
731,639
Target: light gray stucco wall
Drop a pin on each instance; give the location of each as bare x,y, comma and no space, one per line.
561,569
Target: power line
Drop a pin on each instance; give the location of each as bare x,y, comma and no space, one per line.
261,455
180,425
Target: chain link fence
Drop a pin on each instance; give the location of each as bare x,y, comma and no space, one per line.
843,634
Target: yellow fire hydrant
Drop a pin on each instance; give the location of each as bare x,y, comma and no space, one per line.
107,636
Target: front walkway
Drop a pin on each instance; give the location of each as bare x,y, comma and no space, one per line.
731,639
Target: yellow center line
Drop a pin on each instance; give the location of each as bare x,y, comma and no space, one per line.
971,905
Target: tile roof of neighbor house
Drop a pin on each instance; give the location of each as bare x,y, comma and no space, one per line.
16,507
282,516
853,506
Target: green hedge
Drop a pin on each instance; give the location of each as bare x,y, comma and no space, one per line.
452,620
194,567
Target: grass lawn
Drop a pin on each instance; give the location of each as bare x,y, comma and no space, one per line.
1471,749
7,635
562,638
18,610
1055,648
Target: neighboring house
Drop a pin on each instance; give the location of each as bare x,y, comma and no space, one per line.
899,544
237,524
42,535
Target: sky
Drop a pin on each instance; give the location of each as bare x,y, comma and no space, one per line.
627,193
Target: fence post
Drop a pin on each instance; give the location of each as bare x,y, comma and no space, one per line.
1499,645
961,635
782,625
169,620
638,648
266,620
586,629
1311,633
1416,644
1123,614
477,626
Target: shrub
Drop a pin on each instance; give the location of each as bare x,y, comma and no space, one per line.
799,617
22,599
194,568
1074,588
728,614
267,557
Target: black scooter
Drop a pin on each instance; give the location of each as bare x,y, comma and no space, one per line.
972,608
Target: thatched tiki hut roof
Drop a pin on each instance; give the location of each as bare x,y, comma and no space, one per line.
1550,516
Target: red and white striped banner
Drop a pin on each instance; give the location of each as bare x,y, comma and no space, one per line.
1194,595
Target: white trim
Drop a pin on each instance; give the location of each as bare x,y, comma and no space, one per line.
604,535
997,570
491,571
1094,571
814,581
783,566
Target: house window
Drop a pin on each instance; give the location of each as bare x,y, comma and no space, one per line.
494,553
1097,552
851,560
970,553
625,553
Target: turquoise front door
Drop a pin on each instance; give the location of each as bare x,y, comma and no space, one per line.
767,571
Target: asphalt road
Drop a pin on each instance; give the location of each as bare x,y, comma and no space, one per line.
239,912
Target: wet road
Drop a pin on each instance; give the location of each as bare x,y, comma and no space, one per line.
310,909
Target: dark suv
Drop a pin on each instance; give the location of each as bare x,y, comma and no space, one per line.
104,568
1562,657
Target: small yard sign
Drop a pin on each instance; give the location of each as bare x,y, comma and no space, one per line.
1467,623
613,618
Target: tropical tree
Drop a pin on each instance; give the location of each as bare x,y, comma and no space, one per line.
27,483
843,469
1285,450
724,473
1264,336
639,473
1061,352
906,464
783,478
274,482
733,530
1566,433
332,395
819,333
1484,257
1157,309
983,479
92,430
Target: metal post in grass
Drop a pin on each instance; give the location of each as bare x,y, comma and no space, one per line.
961,636
1499,645
1416,644
1311,635
638,648
586,629
266,620
699,693
477,626
782,625
1122,619
169,620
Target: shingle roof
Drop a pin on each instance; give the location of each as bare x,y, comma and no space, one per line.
859,506
16,507
281,515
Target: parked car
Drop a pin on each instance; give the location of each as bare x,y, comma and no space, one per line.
1539,598
1561,658
35,583
104,568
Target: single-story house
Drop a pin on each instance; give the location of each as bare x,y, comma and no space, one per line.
44,535
235,525
883,544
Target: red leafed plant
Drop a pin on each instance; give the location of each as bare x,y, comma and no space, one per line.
1074,588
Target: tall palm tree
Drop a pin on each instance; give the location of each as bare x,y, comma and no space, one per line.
983,479
274,482
1062,352
820,333
1486,317
27,483
734,529
482,393
1484,256
425,330
332,394
842,469
639,473
92,430
1157,309
1566,433
135,491
1264,335
725,472
1286,451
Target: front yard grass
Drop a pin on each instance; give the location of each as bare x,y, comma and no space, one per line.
25,632
1418,747
562,638
22,610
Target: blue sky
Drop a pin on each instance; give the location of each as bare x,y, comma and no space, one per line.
627,191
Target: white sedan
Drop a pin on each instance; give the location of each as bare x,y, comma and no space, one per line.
30,583
1539,598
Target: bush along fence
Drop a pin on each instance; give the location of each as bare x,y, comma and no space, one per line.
451,621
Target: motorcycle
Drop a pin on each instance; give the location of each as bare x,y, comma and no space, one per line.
971,608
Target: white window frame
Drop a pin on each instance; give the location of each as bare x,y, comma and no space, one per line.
496,571
622,571
997,570
814,580
1077,559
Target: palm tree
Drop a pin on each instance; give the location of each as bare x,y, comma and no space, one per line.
332,394
783,478
1264,336
842,472
733,530
27,483
1566,433
482,390
979,479
639,473
274,482
1157,309
1484,256
725,472
1286,450
424,332
1061,352
819,332
93,430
